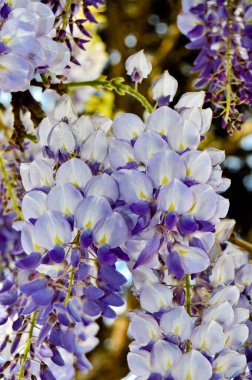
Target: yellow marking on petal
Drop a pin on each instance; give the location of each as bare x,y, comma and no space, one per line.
2,67
182,251
143,195
203,345
220,368
176,330
171,207
151,153
192,208
227,340
153,334
188,172
6,40
162,132
57,240
88,225
135,134
181,146
37,247
103,240
76,184
189,376
130,159
67,211
168,365
165,180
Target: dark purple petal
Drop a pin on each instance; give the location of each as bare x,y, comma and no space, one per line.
93,293
83,271
63,319
187,224
140,208
69,341
57,358
86,238
150,249
120,254
73,312
43,297
30,262
196,31
91,308
56,336
15,343
108,312
89,16
155,376
3,47
3,316
6,284
5,10
30,308
205,226
195,242
45,351
44,332
171,220
33,286
111,276
113,300
75,257
106,256
57,254
9,298
174,265
17,324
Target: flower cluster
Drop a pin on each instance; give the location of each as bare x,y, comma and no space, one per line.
109,191
70,22
25,45
194,329
221,30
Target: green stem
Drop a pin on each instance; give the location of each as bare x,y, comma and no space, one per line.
69,290
116,85
9,188
228,71
188,294
65,17
28,346
188,305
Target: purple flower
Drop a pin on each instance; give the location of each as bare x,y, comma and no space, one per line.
221,31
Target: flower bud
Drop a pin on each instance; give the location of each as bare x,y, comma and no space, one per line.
164,88
138,66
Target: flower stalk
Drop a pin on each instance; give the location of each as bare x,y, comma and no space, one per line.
9,188
28,345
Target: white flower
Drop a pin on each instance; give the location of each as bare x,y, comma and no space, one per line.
164,88
138,66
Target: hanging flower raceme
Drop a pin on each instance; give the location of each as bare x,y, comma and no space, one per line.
221,30
71,22
25,45
195,327
108,191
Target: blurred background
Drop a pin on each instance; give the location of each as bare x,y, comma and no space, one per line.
127,26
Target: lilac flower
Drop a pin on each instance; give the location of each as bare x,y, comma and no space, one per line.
164,88
221,31
26,46
72,29
139,193
138,66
